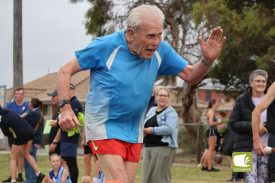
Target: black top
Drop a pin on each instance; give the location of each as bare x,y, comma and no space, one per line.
33,117
54,130
76,105
151,103
10,120
240,122
151,140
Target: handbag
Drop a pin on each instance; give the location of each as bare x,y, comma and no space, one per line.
228,142
37,125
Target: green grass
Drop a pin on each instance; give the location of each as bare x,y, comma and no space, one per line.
180,173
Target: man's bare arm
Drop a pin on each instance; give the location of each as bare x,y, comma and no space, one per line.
210,51
256,115
68,119
193,74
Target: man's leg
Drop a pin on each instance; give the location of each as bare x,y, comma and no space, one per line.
96,166
113,167
131,169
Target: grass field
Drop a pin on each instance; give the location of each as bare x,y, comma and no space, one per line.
183,170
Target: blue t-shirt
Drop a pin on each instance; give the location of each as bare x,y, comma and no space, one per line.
120,86
19,109
57,178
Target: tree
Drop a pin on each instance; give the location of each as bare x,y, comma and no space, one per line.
250,29
17,45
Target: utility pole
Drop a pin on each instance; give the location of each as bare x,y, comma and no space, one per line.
17,45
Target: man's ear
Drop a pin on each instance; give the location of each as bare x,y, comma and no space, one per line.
131,33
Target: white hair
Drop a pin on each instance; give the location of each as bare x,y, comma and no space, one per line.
256,73
134,19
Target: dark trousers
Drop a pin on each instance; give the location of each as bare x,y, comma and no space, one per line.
73,169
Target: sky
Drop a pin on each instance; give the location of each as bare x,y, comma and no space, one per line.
52,31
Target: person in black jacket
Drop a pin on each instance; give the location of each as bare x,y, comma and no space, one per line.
12,125
36,120
240,122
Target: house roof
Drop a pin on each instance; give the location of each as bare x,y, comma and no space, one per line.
209,84
39,88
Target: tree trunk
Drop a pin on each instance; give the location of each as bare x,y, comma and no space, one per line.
17,45
191,112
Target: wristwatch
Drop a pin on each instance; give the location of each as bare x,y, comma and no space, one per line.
63,102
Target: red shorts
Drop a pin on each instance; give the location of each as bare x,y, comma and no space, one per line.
128,151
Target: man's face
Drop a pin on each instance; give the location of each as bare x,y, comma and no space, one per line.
19,95
71,92
55,100
147,38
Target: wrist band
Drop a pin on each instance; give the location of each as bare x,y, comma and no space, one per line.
205,63
55,142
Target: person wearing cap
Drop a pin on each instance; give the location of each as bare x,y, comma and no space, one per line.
69,139
123,68
54,143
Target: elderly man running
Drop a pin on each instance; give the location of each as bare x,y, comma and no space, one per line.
123,68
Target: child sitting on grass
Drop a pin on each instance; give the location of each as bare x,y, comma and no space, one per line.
59,174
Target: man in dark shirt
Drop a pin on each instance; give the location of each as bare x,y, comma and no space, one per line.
68,144
69,139
54,144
